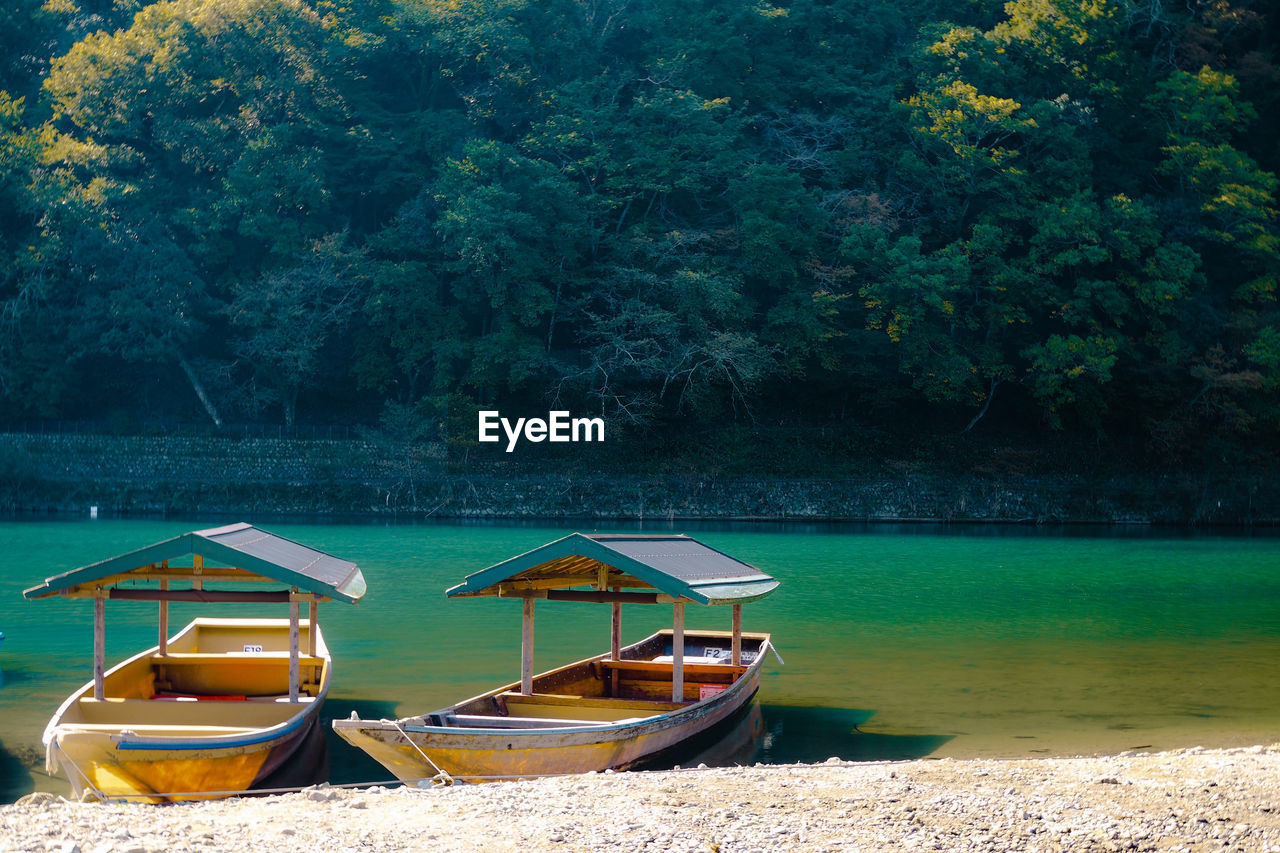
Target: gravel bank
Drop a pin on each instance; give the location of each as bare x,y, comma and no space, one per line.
1190,800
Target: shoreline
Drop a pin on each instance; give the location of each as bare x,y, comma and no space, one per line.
672,521
1187,800
177,475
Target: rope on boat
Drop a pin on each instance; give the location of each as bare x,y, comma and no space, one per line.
774,649
441,777
67,762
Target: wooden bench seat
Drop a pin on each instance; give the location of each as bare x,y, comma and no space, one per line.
155,730
646,670
141,714
237,658
493,722
580,708
650,706
234,673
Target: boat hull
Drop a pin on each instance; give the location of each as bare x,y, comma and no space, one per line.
413,748
175,727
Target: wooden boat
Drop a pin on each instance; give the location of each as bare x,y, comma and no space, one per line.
225,705
615,710
191,722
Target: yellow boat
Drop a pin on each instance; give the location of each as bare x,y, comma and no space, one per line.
616,710
225,705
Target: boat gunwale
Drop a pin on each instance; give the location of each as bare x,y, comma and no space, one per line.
258,736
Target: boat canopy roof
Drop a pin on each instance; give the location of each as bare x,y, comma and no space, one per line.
248,553
674,565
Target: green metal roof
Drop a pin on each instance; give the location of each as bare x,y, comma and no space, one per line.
241,546
678,566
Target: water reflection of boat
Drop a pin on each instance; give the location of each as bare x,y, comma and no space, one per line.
222,706
732,743
609,711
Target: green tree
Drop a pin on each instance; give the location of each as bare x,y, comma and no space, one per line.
1234,197
286,319
36,376
511,235
186,154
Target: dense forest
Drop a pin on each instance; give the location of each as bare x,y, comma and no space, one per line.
1049,218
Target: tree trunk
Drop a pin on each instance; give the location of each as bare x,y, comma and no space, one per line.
199,389
995,383
555,306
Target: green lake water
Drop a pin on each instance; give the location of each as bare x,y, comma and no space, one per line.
899,641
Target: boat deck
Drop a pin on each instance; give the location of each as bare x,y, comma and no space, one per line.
216,677
601,691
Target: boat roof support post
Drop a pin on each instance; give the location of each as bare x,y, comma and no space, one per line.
311,627
293,648
735,649
615,645
677,652
615,632
99,643
164,620
526,646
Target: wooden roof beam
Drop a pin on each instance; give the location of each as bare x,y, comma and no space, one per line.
203,595
150,574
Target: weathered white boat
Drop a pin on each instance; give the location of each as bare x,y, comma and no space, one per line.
225,705
614,710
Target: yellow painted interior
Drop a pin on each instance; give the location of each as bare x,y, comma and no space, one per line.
569,711
135,713
238,673
206,659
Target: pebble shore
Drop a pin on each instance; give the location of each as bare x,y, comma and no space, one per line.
1189,800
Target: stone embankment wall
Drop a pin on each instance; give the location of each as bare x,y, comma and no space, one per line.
211,475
